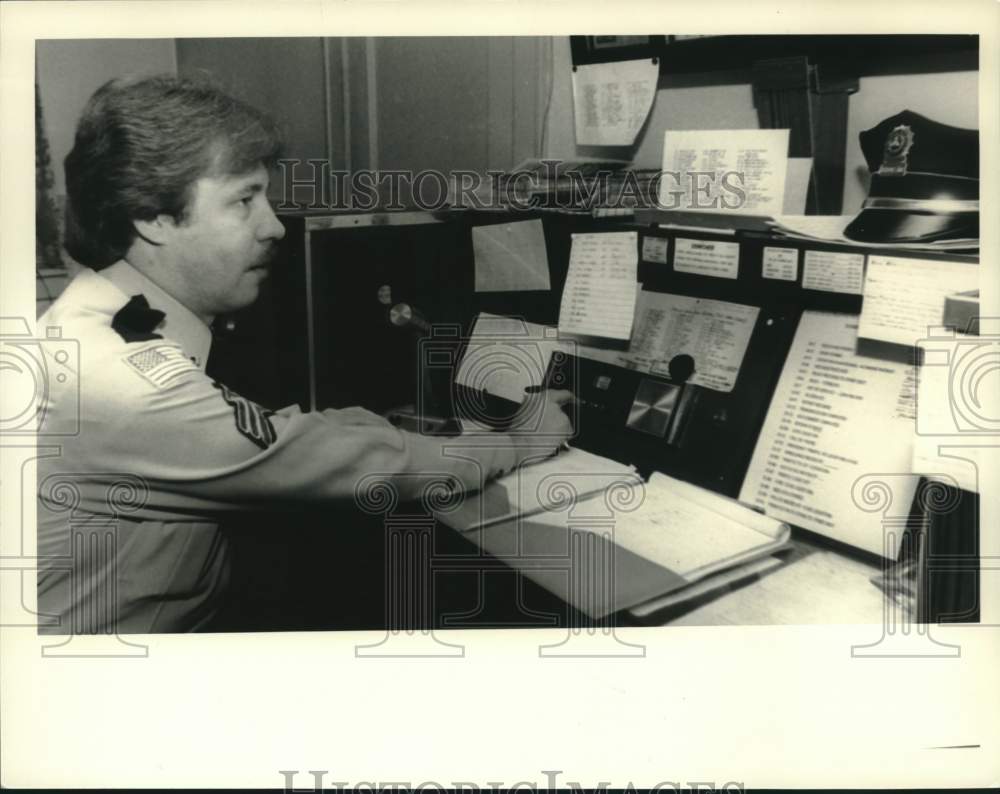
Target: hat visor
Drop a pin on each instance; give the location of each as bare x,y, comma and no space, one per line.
899,226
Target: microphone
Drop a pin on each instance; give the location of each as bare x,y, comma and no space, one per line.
402,315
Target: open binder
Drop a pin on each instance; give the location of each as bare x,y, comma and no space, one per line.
591,531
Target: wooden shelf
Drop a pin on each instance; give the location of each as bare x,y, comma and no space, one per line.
855,55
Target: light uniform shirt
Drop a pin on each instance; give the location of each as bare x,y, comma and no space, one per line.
162,452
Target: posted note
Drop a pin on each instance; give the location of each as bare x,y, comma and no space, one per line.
904,297
780,263
654,249
611,100
833,271
510,257
600,292
707,258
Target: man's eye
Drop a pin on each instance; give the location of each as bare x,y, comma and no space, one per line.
246,201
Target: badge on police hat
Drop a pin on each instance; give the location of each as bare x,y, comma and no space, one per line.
897,146
252,420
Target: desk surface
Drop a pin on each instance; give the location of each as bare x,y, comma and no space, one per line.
813,585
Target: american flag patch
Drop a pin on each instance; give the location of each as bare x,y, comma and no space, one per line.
161,364
251,419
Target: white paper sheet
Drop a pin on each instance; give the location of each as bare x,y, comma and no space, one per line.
814,227
599,296
714,333
755,161
834,418
510,257
905,297
612,100
504,355
830,228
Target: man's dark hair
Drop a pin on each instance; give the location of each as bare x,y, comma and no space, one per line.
140,146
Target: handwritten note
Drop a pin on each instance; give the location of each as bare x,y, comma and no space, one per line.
611,101
599,296
739,171
904,297
714,333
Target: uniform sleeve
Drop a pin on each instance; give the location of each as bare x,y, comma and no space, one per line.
200,447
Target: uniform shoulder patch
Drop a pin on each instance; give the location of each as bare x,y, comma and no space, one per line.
161,365
252,420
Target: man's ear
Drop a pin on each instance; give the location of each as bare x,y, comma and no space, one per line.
156,231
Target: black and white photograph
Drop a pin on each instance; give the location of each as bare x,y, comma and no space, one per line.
453,370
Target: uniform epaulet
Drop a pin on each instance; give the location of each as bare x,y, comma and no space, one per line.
135,321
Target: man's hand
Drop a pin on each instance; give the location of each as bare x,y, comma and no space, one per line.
545,424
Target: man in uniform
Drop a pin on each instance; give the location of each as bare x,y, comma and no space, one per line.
167,207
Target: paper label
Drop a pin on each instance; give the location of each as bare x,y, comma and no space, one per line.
832,271
654,249
707,257
780,263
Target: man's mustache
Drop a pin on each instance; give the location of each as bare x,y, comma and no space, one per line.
268,256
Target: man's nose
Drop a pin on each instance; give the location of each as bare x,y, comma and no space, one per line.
271,228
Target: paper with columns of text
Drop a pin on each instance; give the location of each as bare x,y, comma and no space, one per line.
611,100
725,170
714,333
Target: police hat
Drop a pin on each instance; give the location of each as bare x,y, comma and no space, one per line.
924,185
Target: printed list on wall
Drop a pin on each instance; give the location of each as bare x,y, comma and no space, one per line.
835,417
